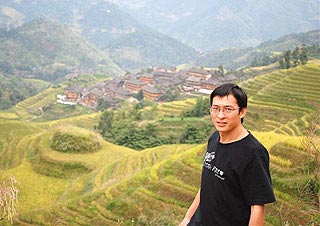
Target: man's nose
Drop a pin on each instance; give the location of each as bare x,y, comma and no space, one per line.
220,113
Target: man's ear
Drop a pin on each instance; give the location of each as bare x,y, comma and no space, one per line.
243,112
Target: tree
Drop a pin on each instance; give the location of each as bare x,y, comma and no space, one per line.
135,112
287,58
281,62
171,94
6,67
255,62
221,70
295,57
199,109
102,104
139,96
191,135
303,56
8,198
105,123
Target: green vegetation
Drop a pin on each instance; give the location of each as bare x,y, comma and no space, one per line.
13,90
294,58
71,143
37,83
116,185
264,54
43,46
137,50
32,108
130,127
282,101
200,109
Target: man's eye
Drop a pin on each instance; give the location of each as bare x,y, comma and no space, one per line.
229,109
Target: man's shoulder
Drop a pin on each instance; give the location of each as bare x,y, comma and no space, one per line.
255,145
214,136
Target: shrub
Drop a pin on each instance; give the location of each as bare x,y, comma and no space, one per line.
69,143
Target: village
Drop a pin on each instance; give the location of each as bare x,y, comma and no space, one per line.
153,86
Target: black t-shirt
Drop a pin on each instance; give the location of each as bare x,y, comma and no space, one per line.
234,177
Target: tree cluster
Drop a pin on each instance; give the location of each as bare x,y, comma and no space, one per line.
200,109
263,61
171,94
299,56
128,128
14,90
125,131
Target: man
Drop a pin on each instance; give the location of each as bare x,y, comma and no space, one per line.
235,181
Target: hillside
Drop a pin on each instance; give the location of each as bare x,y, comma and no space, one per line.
148,48
205,25
98,21
215,25
118,186
49,51
130,33
130,43
233,58
14,90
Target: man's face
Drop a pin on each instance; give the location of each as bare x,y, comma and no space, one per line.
225,113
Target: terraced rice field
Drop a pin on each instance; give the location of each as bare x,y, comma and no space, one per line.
29,109
175,108
120,186
282,100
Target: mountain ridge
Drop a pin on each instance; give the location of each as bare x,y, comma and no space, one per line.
213,25
105,25
235,58
42,46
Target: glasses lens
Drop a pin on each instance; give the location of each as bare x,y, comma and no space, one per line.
225,110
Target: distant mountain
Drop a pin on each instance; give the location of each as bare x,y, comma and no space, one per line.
97,20
291,41
217,24
128,29
149,48
234,58
49,51
130,43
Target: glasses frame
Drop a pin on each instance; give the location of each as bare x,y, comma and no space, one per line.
224,110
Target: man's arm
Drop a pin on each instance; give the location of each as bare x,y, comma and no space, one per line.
192,209
257,215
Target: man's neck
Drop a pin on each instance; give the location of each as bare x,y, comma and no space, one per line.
237,134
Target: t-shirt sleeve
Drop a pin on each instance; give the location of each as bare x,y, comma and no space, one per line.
256,180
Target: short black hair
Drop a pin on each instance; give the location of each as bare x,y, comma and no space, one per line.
234,90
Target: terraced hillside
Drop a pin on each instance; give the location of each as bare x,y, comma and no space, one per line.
282,101
177,107
32,108
118,186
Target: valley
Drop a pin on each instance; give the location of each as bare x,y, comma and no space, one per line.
104,105
116,185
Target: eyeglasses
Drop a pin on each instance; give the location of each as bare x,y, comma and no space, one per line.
225,110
